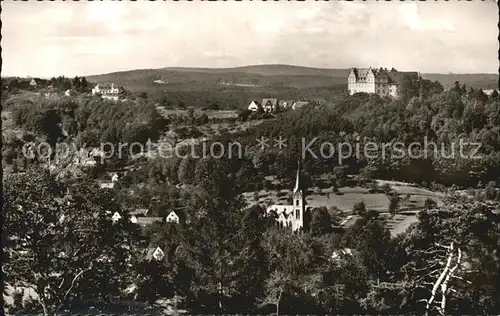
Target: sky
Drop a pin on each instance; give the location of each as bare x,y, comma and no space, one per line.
45,39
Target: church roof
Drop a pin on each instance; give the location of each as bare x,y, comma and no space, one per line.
279,209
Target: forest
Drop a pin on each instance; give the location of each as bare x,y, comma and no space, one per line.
226,256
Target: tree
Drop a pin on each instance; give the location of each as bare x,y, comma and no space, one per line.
77,83
83,83
289,261
252,260
64,249
372,239
453,259
321,222
394,201
211,243
359,208
429,204
490,190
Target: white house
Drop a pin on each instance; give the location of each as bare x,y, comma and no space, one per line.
158,254
254,106
299,104
114,177
116,217
155,253
105,89
33,83
106,185
172,218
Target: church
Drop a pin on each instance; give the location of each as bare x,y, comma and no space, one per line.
296,215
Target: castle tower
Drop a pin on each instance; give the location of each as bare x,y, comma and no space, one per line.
298,199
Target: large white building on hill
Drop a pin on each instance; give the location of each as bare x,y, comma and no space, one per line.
380,81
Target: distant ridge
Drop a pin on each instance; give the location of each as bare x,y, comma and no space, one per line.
266,75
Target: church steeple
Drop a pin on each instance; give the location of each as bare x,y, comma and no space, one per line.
297,179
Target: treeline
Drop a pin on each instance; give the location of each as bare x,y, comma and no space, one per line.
90,121
60,83
233,98
231,259
425,114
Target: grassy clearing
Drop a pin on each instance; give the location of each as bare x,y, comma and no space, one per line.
412,201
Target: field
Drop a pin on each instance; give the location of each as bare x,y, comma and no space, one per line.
413,199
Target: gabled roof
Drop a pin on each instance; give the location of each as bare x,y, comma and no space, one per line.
299,104
279,209
181,213
144,220
397,76
273,102
106,86
151,252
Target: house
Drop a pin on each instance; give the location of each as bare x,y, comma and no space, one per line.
254,106
107,91
341,254
32,83
292,216
70,93
155,253
110,97
172,217
145,220
488,92
299,104
379,81
115,177
105,88
106,185
116,217
269,105
284,104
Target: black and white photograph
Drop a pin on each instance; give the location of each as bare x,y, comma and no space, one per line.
250,158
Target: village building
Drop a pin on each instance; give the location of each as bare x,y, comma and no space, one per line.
172,217
70,93
155,254
33,83
254,106
146,220
285,104
299,104
292,216
378,81
103,184
116,217
107,91
269,105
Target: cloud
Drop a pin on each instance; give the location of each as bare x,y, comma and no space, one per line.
411,17
267,25
128,35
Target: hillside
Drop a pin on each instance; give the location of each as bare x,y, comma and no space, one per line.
476,81
179,78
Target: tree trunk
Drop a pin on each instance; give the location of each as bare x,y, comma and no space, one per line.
278,303
44,307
